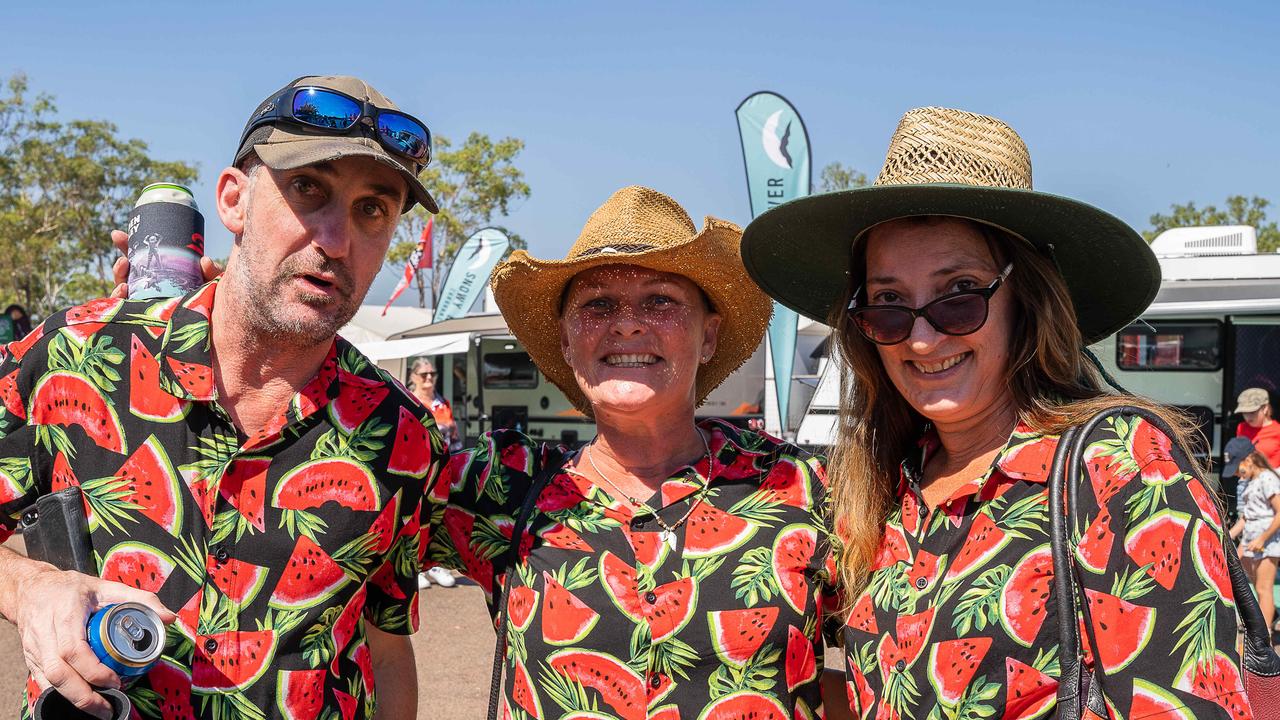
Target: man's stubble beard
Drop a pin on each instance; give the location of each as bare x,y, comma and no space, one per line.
267,321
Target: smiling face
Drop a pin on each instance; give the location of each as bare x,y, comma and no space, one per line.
948,379
309,242
635,338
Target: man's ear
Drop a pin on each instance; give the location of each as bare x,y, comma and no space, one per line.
233,199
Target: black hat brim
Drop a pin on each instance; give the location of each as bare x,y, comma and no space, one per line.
800,253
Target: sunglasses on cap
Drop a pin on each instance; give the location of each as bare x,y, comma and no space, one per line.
337,113
957,313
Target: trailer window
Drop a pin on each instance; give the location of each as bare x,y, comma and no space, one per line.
509,370
1188,346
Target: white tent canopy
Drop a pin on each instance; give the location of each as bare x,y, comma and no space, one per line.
412,347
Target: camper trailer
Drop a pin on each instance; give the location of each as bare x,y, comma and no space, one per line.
1212,331
492,382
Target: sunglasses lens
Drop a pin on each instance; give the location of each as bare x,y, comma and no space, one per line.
325,109
883,325
958,315
406,135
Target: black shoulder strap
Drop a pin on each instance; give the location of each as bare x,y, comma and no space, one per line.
1259,657
550,467
1063,585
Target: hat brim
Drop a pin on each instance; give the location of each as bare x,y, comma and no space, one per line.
292,154
528,292
801,252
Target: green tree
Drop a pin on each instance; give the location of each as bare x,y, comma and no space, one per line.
472,184
1239,210
835,176
63,187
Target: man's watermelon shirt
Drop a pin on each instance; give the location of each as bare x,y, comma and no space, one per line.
273,549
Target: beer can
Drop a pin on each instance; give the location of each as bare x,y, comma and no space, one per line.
166,241
127,637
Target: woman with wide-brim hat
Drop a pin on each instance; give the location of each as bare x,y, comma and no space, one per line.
669,568
962,302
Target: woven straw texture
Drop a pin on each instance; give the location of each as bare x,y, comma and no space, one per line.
643,227
941,145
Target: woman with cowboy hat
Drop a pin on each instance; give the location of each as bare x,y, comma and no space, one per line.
962,302
668,568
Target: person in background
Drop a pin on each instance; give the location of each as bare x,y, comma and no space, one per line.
962,303
422,383
8,329
21,321
1254,405
1258,498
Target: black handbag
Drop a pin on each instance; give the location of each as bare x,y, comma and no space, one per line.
550,467
1076,691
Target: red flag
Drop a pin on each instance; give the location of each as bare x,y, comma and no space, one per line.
418,260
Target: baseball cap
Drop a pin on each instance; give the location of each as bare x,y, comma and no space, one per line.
286,145
1237,449
1251,399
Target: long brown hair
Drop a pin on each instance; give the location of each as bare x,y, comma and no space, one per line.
1053,382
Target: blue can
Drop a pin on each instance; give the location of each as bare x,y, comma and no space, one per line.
127,637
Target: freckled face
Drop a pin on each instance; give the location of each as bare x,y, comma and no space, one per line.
946,378
635,337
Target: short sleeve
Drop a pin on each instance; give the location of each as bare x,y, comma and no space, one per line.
392,600
475,502
1270,486
19,366
1158,610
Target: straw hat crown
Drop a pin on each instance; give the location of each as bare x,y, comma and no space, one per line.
633,219
941,145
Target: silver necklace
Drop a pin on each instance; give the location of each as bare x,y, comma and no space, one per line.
668,533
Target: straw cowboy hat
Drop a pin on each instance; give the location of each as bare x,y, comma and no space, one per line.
636,226
956,163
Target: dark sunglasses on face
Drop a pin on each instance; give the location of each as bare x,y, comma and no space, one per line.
337,113
957,313
428,373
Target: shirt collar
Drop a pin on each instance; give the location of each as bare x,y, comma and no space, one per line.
186,364
1027,455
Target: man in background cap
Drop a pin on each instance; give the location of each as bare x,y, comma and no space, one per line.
248,475
1254,405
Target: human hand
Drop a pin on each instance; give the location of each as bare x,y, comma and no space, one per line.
52,611
120,268
1255,545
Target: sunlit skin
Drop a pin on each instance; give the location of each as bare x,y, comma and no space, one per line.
308,245
635,339
310,242
969,403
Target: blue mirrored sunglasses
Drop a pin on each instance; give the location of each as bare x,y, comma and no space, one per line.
337,113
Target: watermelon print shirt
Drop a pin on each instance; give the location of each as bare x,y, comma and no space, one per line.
959,621
605,618
274,550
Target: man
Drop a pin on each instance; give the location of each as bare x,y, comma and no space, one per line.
245,473
1254,405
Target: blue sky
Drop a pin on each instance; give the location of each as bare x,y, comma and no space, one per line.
1130,106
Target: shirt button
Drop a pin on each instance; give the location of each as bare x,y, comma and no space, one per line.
655,682
211,645
221,554
900,665
651,597
921,582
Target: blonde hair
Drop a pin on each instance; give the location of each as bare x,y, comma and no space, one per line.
1053,382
